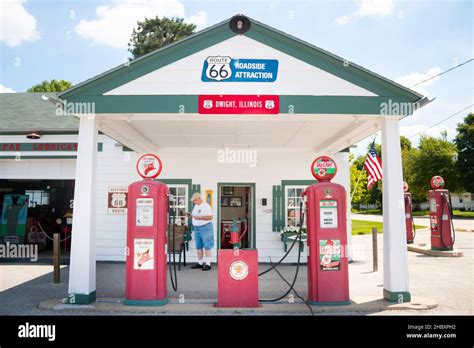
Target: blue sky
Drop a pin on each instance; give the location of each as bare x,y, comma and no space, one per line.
406,41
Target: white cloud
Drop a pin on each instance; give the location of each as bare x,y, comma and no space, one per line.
17,25
416,77
200,19
4,89
114,23
368,8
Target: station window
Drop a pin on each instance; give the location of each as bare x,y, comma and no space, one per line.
292,205
37,197
179,201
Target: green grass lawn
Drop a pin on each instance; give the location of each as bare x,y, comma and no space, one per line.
365,227
457,213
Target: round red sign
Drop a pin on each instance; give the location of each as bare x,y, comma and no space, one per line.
405,187
437,182
149,166
324,168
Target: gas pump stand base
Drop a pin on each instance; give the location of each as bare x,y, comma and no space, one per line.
237,278
145,303
339,303
441,249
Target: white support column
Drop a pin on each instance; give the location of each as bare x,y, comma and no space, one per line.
345,180
395,255
82,268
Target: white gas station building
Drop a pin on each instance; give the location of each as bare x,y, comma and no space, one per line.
239,115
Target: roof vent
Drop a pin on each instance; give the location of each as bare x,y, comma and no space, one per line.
239,24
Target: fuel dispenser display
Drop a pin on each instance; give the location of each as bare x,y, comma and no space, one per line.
328,276
441,216
409,222
146,282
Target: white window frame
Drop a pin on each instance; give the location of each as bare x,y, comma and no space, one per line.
186,197
287,188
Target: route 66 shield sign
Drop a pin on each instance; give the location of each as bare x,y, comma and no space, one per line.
218,68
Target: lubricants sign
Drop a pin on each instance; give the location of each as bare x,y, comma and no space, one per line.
228,69
239,104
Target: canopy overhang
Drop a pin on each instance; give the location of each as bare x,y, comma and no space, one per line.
322,133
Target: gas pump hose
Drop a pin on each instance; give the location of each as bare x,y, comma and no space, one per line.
289,250
448,203
173,277
413,224
297,263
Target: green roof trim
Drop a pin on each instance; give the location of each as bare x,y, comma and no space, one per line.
353,73
289,104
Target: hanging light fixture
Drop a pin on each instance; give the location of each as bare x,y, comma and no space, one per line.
33,135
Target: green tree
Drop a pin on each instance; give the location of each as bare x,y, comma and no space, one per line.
465,144
358,183
50,86
407,152
154,33
433,157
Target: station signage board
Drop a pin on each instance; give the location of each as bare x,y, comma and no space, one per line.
239,104
228,69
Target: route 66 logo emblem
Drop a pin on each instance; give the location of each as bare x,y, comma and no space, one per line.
207,104
269,104
218,68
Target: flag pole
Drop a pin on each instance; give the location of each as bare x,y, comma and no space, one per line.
361,172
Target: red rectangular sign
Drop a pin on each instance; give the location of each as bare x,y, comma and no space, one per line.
239,104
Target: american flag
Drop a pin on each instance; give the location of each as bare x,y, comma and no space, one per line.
373,166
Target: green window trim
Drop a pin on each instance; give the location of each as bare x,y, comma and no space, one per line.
254,210
278,201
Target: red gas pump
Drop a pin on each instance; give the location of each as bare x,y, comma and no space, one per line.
441,221
328,276
146,282
409,222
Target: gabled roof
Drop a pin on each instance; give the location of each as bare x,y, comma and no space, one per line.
260,32
25,112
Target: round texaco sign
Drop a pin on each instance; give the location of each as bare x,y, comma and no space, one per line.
239,270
